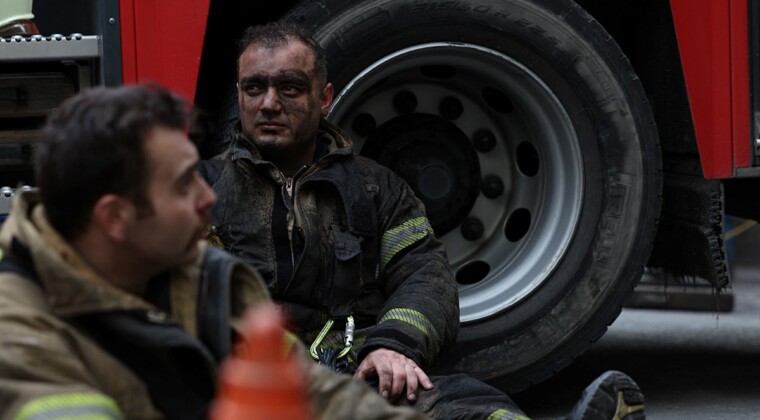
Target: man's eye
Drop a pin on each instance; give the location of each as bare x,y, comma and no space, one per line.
292,89
253,89
184,184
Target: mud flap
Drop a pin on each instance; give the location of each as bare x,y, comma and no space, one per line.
689,244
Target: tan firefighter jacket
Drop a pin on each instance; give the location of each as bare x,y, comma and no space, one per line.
65,334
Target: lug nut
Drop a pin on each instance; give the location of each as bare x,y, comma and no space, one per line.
404,102
472,229
492,186
450,108
484,141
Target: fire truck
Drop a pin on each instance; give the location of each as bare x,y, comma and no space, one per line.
562,148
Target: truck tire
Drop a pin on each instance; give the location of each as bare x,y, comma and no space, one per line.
524,129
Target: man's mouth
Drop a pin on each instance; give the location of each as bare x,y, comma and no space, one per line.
270,125
204,226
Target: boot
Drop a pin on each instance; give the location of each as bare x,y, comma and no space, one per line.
612,396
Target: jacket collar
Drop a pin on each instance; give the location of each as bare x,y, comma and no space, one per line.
336,141
71,286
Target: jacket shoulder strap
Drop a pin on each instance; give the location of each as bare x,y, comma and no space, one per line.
20,263
214,310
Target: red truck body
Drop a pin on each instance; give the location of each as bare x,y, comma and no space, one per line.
163,41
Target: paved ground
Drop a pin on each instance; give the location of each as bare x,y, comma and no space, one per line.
690,365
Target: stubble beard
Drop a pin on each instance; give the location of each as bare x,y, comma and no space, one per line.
284,152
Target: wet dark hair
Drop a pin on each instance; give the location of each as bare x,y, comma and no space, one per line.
276,34
93,145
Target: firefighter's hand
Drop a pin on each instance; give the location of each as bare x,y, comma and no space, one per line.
395,372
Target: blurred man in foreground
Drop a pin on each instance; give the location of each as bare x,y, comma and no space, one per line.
111,306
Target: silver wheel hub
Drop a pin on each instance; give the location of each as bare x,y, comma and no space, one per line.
489,149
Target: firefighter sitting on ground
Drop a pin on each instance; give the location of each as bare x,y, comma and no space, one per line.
343,244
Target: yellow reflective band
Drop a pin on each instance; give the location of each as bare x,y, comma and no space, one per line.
402,236
419,321
288,342
503,414
88,406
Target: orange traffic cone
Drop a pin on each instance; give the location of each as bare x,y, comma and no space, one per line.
261,381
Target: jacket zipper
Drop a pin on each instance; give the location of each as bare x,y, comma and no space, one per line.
290,184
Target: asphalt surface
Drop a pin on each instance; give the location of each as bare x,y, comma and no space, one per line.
689,364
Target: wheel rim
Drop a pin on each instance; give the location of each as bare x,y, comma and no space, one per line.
507,207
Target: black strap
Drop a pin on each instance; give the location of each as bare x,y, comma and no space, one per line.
214,301
20,262
176,369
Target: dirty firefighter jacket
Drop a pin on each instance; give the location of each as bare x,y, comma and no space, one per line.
359,244
71,345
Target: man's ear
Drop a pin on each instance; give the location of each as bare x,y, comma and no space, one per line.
111,215
327,98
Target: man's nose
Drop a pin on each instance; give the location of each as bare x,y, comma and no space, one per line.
271,100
